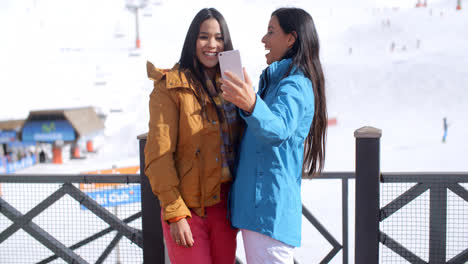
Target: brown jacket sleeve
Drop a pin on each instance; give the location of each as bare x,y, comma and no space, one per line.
159,152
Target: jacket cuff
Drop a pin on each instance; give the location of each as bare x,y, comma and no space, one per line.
176,209
176,219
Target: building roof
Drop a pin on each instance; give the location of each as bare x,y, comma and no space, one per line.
11,124
84,119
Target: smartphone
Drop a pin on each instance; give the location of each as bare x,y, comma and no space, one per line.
231,61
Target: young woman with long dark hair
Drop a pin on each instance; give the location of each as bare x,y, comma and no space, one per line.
284,139
191,147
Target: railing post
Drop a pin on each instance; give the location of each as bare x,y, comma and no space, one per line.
367,195
438,224
153,245
345,218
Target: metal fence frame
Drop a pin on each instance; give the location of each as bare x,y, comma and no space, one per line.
438,184
369,213
24,221
152,237
344,177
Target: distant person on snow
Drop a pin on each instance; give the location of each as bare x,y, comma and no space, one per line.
444,137
191,146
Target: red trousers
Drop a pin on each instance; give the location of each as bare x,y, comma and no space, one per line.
214,239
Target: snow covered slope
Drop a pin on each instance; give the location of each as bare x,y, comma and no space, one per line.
63,55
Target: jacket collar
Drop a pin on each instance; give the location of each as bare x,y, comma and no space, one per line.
278,69
274,73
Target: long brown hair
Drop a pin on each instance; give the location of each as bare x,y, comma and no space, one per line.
305,57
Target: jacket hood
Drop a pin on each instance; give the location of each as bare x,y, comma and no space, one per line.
173,78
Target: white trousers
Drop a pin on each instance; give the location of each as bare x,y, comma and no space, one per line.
262,249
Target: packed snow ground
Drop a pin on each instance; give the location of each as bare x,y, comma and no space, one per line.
56,54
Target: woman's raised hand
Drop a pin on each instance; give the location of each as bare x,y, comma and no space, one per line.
239,92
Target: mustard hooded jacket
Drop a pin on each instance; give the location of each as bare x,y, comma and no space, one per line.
183,149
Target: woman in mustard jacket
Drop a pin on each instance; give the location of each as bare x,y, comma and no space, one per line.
191,146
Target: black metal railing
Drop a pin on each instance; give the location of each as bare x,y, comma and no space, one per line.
336,246
437,207
120,226
25,222
431,191
434,188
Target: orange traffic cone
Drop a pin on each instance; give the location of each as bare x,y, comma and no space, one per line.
89,146
57,155
76,152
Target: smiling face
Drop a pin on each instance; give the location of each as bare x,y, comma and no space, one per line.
276,41
209,43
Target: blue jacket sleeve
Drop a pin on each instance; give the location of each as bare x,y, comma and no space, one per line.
275,123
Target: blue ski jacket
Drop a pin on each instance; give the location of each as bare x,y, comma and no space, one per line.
266,193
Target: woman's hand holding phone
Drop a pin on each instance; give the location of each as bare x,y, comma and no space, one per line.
239,92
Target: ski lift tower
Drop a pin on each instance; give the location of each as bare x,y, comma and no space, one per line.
134,6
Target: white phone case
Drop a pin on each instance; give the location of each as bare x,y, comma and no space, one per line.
230,61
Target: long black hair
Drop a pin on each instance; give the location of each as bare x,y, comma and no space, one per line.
188,58
305,57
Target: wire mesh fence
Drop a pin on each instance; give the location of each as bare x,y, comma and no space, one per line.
457,224
424,221
85,219
74,223
409,226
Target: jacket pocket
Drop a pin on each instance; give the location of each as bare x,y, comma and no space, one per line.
211,146
185,166
190,179
259,179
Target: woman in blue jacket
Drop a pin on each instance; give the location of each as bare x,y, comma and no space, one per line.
284,139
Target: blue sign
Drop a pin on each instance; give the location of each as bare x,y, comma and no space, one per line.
48,131
7,136
119,196
21,144
10,167
3,164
